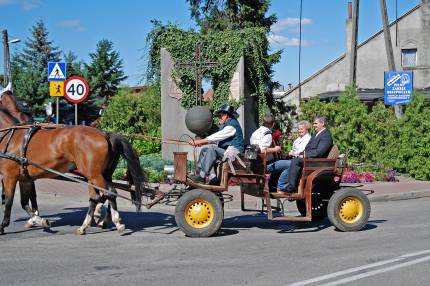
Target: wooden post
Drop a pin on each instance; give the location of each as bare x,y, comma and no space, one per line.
389,49
353,59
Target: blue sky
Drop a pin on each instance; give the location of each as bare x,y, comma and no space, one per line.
78,25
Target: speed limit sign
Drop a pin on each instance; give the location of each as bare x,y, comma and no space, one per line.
76,89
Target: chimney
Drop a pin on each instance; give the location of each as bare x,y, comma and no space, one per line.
348,29
349,10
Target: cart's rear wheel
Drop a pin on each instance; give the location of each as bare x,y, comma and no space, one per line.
348,210
199,213
319,207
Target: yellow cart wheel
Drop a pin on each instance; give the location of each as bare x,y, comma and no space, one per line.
199,213
348,209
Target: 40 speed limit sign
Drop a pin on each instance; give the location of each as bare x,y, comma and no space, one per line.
76,89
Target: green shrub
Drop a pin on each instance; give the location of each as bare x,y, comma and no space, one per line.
148,147
132,114
376,138
414,139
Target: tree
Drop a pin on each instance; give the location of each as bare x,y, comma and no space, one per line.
30,68
104,73
221,15
73,66
133,114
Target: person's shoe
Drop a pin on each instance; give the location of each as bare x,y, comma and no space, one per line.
214,182
289,189
198,179
280,192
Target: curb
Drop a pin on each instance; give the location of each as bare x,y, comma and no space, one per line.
399,196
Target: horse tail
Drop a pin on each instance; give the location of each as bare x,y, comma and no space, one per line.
121,146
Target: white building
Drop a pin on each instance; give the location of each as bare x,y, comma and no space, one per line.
411,47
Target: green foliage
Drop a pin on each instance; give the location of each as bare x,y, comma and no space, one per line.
381,137
231,14
225,48
146,147
376,137
105,71
73,66
30,68
132,114
153,167
414,137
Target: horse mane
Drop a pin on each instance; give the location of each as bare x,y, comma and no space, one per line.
6,113
14,108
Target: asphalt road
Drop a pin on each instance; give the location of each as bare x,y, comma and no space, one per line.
394,249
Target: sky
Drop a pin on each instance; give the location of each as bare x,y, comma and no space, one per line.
78,25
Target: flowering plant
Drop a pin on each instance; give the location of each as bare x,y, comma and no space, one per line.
390,176
350,176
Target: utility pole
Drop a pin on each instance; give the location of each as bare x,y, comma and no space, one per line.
354,36
389,49
5,58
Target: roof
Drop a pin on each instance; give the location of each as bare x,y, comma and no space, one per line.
343,55
367,95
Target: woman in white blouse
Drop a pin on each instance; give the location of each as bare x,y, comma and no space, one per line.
300,143
281,167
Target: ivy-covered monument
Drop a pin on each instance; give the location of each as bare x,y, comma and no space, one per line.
240,75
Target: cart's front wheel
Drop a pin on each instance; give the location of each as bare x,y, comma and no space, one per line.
348,210
199,213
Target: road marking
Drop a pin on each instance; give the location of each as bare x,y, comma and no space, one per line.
365,267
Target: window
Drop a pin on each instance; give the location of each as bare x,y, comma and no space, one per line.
409,57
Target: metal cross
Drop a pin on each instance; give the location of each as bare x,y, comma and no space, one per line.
199,67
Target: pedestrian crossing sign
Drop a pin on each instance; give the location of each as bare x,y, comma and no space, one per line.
56,88
56,71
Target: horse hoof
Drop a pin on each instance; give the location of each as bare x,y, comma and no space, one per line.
46,223
80,231
1,231
121,228
28,225
101,225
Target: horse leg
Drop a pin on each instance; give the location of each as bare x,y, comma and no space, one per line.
89,216
94,200
3,198
9,189
116,219
107,219
28,193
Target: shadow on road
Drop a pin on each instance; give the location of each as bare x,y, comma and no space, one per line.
156,222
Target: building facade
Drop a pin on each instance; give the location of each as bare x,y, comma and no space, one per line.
410,36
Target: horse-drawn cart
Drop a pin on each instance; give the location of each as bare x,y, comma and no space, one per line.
199,210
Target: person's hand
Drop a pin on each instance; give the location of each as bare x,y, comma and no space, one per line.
277,149
197,142
291,153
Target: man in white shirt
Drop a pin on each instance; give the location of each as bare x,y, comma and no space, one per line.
229,135
262,137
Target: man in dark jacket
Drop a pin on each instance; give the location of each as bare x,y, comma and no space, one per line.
318,147
229,135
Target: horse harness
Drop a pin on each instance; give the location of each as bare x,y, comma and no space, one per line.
31,130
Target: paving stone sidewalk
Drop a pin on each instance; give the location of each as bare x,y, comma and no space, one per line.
406,188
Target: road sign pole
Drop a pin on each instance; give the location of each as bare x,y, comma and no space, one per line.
57,117
76,114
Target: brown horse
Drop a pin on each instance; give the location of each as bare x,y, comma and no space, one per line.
92,152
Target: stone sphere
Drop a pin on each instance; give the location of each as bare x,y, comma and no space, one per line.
198,120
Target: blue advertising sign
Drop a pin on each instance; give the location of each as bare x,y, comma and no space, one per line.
398,87
56,71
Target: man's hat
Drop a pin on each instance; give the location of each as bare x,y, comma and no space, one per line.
227,109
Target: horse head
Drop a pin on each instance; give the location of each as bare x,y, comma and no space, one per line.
8,101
